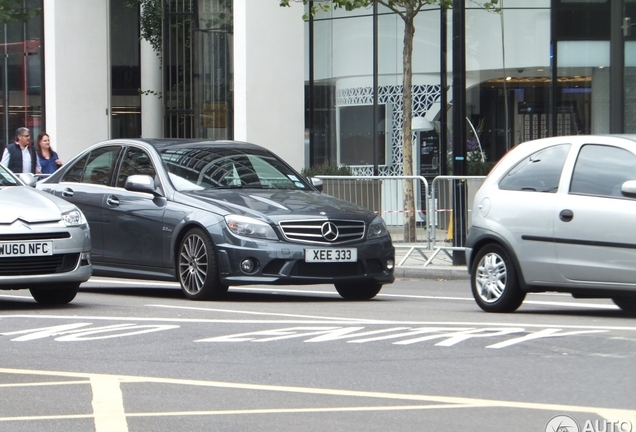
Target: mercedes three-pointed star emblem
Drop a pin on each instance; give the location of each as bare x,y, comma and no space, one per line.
329,231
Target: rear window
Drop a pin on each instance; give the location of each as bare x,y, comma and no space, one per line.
539,172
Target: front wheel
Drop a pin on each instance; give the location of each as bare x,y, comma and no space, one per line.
628,304
494,281
358,290
60,294
197,269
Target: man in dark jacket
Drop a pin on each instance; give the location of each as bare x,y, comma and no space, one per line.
20,156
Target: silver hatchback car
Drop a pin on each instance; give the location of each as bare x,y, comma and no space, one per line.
557,214
45,242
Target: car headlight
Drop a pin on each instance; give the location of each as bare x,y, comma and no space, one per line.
377,228
73,218
249,227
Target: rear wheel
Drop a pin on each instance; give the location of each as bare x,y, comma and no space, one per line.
196,265
358,290
59,294
628,304
494,281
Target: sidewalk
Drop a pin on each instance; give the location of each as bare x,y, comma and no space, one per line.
427,264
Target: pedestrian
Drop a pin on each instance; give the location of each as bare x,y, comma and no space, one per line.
48,158
20,156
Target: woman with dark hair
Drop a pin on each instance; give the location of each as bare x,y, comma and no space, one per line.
49,160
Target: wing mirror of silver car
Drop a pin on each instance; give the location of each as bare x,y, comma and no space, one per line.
28,179
629,188
316,182
141,183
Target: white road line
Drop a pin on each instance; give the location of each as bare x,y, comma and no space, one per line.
108,404
382,294
230,311
330,321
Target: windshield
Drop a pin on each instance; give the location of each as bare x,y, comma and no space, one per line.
6,179
200,168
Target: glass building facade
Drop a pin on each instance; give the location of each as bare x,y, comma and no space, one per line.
537,68
21,76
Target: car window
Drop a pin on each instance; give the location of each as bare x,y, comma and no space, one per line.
196,168
96,167
601,170
75,172
135,162
539,172
100,165
7,179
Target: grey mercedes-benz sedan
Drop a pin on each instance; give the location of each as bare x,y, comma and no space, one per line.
45,242
212,214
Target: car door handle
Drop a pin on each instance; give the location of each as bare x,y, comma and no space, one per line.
112,201
67,192
566,215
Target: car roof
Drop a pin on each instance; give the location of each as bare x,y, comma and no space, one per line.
163,143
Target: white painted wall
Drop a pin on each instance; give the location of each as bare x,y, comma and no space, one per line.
151,104
76,74
269,77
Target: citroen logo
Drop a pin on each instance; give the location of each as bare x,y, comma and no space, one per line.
329,231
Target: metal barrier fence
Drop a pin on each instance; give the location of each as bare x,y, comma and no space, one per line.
434,209
444,202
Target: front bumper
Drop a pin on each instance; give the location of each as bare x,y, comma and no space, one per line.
284,263
70,262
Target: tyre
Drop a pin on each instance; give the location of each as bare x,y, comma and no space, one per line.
197,268
494,281
60,294
358,290
628,304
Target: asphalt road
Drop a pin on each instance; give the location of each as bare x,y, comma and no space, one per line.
136,356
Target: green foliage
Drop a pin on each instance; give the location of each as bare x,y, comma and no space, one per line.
12,11
150,21
326,170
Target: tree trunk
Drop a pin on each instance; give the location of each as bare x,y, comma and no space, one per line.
407,133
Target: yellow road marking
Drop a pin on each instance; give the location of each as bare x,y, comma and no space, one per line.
108,399
108,404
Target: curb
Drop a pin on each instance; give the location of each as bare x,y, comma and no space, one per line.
432,272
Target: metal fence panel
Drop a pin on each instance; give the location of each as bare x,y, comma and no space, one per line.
434,208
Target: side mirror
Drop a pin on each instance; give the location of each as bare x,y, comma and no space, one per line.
28,179
316,182
628,188
141,183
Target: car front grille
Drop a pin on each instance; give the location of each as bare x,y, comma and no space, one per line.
34,236
311,231
38,265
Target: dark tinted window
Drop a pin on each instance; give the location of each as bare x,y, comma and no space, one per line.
539,172
601,170
96,167
135,162
581,20
74,174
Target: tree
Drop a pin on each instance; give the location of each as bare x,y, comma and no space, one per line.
12,11
407,10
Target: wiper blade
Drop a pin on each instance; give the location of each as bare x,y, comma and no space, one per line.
228,187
